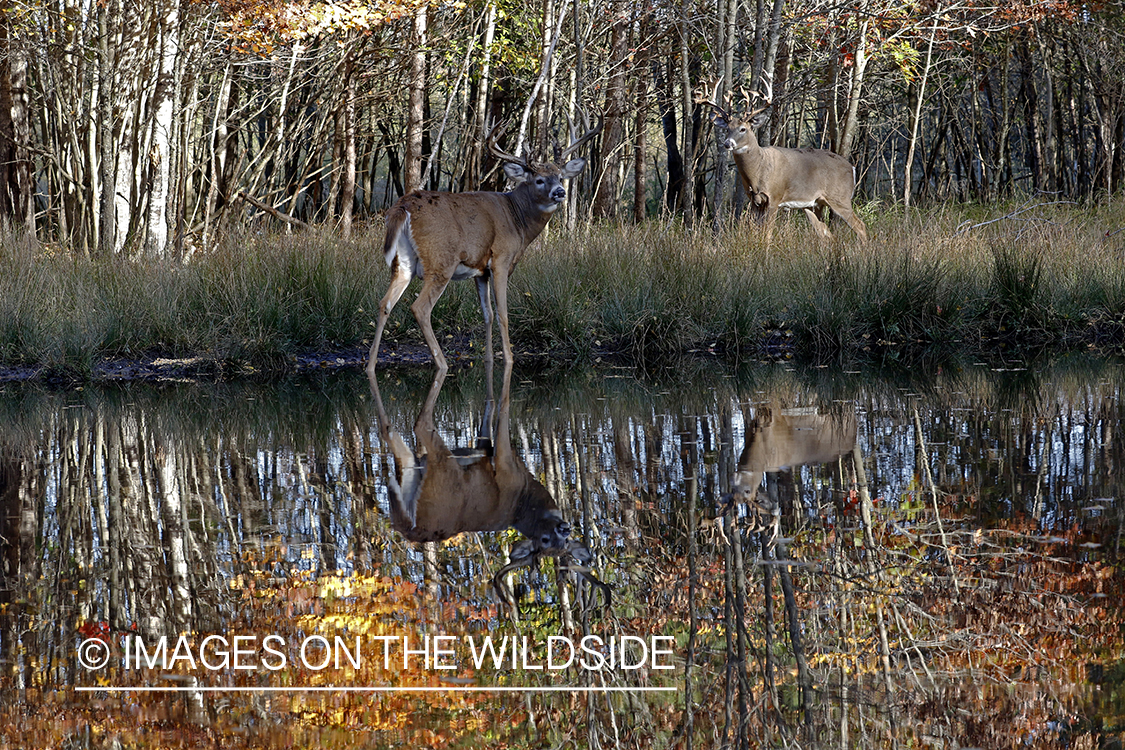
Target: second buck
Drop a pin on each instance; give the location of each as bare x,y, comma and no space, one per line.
790,178
445,237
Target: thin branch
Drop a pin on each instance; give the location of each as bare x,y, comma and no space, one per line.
272,211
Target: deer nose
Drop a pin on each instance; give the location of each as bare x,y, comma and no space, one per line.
558,195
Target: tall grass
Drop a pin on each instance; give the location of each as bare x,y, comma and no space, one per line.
967,277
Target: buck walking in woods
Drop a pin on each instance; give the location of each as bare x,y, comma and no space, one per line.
445,237
776,178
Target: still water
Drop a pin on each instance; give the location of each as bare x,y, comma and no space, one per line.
708,557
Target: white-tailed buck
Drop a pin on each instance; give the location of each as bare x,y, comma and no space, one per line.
445,237
790,178
438,492
778,439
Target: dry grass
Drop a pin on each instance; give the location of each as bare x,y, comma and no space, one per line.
1043,274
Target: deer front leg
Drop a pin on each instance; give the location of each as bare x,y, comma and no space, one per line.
424,424
500,286
432,288
769,218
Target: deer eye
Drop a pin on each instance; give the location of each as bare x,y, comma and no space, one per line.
539,180
742,129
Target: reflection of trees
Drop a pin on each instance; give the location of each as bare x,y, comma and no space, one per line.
19,565
859,622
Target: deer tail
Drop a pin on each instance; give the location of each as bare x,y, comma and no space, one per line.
398,234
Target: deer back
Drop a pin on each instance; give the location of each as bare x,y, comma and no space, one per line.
779,438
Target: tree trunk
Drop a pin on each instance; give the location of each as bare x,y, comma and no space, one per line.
687,191
16,203
216,188
415,117
665,100
916,117
164,106
640,98
542,96
347,185
855,91
605,201
727,40
475,174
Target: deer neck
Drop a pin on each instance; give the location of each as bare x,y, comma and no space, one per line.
529,217
749,155
752,163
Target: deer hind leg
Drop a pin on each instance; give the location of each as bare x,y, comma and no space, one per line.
432,288
846,213
485,294
399,281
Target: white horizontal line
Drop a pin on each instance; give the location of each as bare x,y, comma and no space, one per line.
351,689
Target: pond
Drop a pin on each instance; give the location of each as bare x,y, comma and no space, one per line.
705,557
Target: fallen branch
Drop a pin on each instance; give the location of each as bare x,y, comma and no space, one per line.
1028,206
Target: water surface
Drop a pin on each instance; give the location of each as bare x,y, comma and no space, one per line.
811,556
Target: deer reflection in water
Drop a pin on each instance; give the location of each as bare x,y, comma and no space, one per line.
778,439
438,492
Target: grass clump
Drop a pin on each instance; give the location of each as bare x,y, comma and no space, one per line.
1049,275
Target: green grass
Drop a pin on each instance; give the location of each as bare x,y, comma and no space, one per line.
964,277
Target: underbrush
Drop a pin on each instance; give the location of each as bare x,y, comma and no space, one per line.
1046,275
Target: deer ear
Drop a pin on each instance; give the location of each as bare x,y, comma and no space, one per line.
516,172
572,168
759,120
720,121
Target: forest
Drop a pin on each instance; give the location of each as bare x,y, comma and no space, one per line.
146,129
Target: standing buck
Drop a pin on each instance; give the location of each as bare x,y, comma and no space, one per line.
445,237
775,178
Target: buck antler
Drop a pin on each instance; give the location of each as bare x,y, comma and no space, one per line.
493,137
764,96
701,98
576,142
574,558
